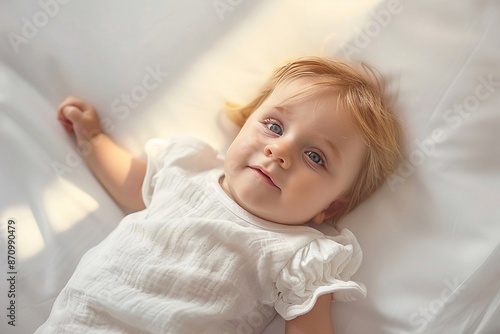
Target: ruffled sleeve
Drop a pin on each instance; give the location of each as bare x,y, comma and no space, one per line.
323,266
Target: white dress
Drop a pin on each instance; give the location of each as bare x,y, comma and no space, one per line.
195,262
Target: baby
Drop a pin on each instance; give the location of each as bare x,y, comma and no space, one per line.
218,245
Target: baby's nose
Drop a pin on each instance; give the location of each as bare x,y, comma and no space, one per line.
280,152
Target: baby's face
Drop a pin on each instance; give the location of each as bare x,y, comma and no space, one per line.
291,160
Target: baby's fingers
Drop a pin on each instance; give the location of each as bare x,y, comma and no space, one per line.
67,115
74,101
72,114
66,123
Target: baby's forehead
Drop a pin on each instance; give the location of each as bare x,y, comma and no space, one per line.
311,95
300,89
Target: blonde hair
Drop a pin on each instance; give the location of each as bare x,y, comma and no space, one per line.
361,96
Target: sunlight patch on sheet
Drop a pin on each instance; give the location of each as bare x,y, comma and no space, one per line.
66,204
24,231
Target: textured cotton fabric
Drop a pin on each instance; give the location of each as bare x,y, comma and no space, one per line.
195,262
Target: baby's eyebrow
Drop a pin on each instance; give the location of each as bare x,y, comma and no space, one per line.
333,148
282,109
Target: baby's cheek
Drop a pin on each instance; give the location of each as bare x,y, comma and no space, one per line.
249,144
230,168
309,197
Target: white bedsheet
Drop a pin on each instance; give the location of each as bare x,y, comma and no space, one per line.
430,236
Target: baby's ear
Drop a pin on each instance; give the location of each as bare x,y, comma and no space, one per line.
335,208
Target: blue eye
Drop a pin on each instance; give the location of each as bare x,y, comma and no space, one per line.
274,127
315,157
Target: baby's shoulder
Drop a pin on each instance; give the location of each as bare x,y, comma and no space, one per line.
186,152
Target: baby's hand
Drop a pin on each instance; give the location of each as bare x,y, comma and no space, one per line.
80,118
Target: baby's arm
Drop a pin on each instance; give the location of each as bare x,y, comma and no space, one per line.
119,171
317,321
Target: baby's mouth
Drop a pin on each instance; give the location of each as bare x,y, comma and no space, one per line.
264,175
